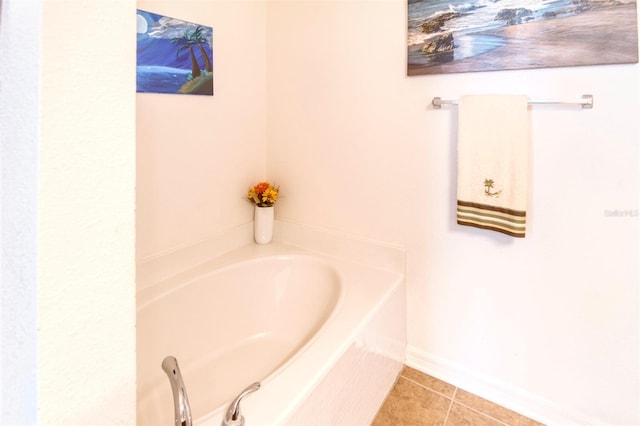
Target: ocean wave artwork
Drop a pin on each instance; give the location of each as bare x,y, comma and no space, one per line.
173,56
448,36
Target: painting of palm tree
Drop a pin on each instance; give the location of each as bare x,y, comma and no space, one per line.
174,56
186,42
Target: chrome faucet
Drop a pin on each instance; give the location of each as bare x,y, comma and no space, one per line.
181,406
233,416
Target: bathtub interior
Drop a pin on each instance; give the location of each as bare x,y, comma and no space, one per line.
236,325
330,381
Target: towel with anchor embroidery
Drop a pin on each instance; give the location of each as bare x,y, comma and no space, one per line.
493,146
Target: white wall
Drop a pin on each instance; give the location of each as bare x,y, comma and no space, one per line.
19,109
86,196
198,155
547,325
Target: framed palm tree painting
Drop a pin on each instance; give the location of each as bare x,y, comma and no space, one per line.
174,56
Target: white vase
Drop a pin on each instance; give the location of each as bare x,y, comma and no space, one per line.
263,224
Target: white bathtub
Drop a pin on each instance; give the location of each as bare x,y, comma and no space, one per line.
275,314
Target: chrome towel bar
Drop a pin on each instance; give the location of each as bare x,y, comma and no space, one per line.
586,101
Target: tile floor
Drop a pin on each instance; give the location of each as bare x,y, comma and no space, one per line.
418,399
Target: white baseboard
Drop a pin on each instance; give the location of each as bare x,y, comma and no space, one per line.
508,396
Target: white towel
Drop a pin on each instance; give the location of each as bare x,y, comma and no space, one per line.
493,145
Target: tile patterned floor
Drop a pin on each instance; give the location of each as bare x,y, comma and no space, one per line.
418,399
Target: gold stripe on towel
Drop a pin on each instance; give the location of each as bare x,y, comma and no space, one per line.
507,221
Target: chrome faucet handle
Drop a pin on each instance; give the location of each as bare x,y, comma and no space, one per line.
181,408
233,416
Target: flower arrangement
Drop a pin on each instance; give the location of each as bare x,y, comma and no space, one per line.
263,194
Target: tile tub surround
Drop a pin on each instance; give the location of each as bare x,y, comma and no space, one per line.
419,399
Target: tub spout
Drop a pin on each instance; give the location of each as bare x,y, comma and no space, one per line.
181,406
233,416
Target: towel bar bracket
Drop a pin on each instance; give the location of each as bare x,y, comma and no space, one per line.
586,102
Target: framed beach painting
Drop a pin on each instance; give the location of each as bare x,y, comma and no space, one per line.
485,35
174,56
